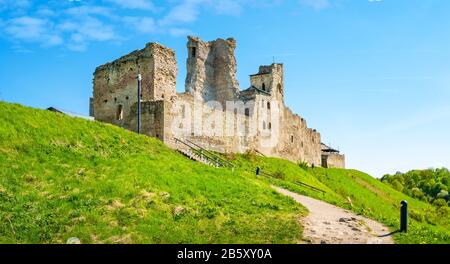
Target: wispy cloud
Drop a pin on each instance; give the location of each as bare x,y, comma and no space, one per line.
30,29
188,11
141,24
75,24
89,29
185,12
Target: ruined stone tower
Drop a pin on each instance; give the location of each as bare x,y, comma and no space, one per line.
115,88
270,79
211,69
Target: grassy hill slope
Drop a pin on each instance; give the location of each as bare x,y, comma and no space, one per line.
64,177
358,192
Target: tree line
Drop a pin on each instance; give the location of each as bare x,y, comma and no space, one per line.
431,185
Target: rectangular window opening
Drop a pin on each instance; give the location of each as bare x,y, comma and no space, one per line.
119,113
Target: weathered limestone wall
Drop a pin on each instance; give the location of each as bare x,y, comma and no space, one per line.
211,70
296,142
333,160
152,118
115,83
206,124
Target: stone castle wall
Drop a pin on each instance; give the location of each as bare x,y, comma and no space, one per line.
201,113
333,160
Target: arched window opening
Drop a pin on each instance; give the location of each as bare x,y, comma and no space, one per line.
279,88
264,86
268,105
193,52
270,125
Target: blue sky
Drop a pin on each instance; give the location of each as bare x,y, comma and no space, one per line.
372,76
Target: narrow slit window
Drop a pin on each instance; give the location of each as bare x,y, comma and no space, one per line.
268,105
247,111
183,111
119,113
292,138
193,51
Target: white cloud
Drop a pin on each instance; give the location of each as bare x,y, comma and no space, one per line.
78,23
316,4
83,31
185,12
141,24
95,29
31,29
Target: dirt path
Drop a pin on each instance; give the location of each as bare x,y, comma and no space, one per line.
328,224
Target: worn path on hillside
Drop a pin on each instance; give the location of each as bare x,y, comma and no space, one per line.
329,224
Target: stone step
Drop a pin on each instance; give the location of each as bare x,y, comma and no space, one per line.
199,158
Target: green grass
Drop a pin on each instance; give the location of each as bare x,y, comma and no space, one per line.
374,199
64,177
368,196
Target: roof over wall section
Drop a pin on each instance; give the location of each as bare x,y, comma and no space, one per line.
255,89
328,149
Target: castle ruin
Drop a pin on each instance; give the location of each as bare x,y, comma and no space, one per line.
213,111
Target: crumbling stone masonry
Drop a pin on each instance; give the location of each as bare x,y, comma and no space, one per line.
213,112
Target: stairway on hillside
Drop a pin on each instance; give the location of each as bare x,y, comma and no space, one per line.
198,153
188,152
